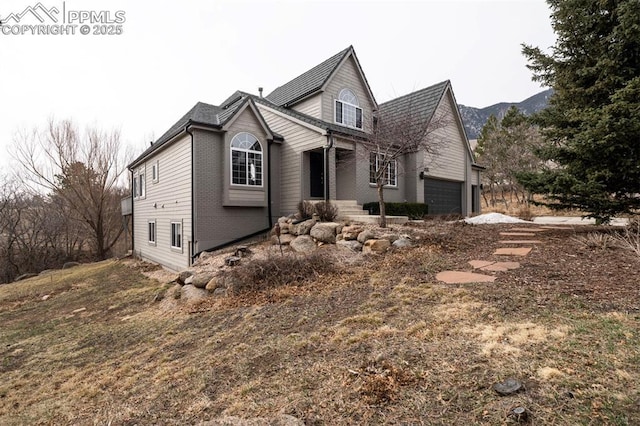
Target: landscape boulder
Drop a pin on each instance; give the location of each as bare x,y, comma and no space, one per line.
351,232
365,235
375,246
325,232
217,281
302,228
352,245
303,244
191,293
285,239
391,237
183,277
200,280
402,243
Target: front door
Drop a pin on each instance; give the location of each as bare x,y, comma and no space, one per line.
316,173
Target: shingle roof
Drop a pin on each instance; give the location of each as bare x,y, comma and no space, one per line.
334,128
422,102
201,113
307,82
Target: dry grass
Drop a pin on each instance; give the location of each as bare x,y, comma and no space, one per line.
375,343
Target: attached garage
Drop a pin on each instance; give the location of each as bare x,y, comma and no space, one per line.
443,196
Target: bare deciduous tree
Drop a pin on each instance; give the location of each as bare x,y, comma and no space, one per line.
82,169
400,130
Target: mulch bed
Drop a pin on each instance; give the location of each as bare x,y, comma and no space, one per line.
560,269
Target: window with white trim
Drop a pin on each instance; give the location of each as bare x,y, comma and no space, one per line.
376,163
246,160
139,187
176,235
135,186
151,225
155,172
348,111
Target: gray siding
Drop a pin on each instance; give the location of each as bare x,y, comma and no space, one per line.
297,139
167,199
347,77
311,106
453,161
244,210
367,192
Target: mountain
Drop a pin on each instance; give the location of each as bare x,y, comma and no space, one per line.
475,118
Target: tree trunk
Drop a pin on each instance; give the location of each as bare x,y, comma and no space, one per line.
383,215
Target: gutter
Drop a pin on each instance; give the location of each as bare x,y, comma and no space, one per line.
193,183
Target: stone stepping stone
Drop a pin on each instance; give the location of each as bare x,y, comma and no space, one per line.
486,265
459,277
528,229
513,251
518,234
508,387
520,242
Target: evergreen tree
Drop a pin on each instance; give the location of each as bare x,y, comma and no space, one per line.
592,124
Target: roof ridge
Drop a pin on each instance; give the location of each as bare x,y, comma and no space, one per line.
309,81
433,86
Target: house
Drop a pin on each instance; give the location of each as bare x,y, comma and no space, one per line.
224,173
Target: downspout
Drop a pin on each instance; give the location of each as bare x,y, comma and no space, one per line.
133,222
269,142
327,147
192,249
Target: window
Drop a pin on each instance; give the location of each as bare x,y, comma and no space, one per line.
138,184
246,160
347,110
377,161
152,232
135,186
142,187
176,235
154,172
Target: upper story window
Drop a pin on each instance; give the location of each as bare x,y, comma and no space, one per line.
348,111
246,160
155,172
139,186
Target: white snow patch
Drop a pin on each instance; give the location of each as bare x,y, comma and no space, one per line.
489,218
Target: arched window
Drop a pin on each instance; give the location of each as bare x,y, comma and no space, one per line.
348,111
246,160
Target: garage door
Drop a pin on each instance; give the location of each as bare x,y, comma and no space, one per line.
442,196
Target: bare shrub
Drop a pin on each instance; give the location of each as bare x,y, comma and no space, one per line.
630,238
278,271
597,240
524,212
381,381
327,211
306,209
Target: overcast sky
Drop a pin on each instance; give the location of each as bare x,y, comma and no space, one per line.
172,54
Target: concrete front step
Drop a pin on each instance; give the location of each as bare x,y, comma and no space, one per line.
365,218
346,208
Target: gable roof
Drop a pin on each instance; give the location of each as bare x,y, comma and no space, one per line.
308,82
423,102
201,114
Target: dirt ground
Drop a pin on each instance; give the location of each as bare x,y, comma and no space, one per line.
373,341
